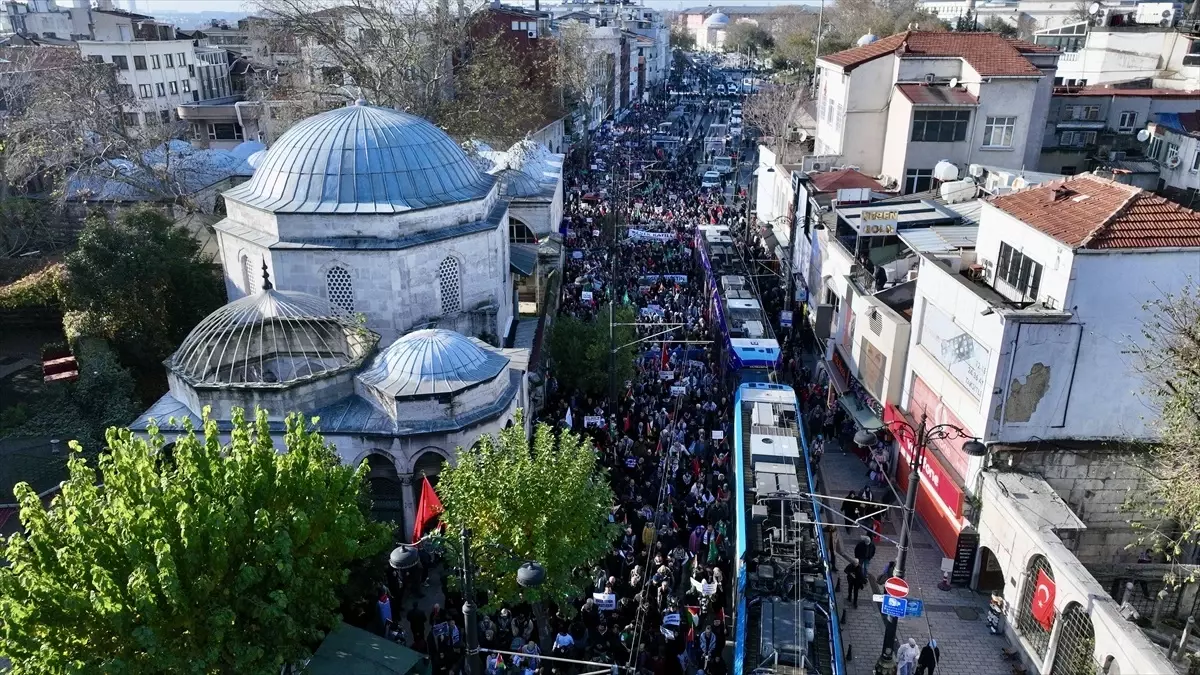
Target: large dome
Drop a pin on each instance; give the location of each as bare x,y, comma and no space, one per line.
362,159
432,361
270,339
717,20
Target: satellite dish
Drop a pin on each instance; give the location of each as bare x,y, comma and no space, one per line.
953,82
803,135
1143,135
1094,8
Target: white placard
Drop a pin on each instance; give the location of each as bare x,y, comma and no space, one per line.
595,233
671,619
593,421
586,295
947,564
678,390
605,600
666,374
718,434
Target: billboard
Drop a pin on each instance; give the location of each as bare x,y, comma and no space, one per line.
958,352
877,222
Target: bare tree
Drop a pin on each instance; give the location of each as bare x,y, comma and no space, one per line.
774,110
582,67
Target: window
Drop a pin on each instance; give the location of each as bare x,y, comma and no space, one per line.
145,91
139,62
519,233
450,285
1127,122
182,61
917,180
121,62
1069,170
1019,272
95,58
127,90
1196,161
940,126
164,116
839,118
170,59
341,288
160,88
1172,155
1077,138
224,132
174,86
248,280
154,61
998,132
130,119
1081,112
185,85
1154,151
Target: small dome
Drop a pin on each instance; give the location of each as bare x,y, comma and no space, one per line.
272,338
866,40
432,361
362,159
717,20
517,183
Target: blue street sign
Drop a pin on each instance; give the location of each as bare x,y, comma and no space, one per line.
915,607
896,607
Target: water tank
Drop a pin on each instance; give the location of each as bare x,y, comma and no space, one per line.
866,40
944,171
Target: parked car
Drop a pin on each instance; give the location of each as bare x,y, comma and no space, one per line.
712,179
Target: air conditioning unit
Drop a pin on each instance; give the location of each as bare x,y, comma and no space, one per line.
817,166
532,34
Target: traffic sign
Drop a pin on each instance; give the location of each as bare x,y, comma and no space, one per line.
896,607
785,319
915,607
896,587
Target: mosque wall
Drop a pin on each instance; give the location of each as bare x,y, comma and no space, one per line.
304,397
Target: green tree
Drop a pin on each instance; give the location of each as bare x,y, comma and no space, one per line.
141,282
580,350
682,40
995,24
746,36
199,558
547,501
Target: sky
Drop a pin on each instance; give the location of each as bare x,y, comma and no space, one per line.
151,6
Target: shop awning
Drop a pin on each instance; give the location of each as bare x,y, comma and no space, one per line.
863,416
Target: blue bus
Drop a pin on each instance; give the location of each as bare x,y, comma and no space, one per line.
785,603
748,345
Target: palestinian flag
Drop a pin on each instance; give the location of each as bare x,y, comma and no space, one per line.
694,615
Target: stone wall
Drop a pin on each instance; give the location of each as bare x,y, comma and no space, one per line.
1096,484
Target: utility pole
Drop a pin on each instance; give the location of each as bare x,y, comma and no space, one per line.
468,609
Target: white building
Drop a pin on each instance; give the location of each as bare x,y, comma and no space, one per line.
1033,14
1175,145
895,107
1167,57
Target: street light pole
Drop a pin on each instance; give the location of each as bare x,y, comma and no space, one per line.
468,609
921,436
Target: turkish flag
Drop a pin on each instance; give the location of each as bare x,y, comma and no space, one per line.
428,508
666,357
1043,600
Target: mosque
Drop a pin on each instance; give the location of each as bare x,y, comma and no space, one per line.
372,269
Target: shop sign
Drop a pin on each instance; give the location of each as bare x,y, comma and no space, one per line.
933,474
877,222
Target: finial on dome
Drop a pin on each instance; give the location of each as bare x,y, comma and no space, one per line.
266,276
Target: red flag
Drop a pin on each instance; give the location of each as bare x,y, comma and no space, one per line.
428,508
694,615
1043,600
666,356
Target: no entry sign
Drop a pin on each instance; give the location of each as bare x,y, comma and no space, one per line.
896,587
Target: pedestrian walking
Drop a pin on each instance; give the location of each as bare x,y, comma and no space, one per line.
854,583
929,658
906,657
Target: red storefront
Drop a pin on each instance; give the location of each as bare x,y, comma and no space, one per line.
940,495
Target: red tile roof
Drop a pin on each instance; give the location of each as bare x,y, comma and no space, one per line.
932,94
843,179
987,53
1090,212
1099,90
1026,47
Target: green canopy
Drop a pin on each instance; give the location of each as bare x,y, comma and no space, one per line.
353,651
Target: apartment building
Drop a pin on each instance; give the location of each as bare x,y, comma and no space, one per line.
898,106
1174,144
1114,49
1096,126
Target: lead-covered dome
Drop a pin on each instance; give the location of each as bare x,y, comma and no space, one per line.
271,339
717,20
362,159
432,361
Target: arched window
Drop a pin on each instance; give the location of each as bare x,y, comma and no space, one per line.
248,275
1033,631
450,285
1077,645
340,287
519,233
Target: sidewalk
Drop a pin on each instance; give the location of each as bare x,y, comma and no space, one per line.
955,618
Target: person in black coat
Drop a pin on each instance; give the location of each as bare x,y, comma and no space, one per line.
929,658
854,583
